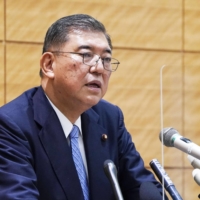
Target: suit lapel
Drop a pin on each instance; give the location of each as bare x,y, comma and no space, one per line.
97,151
56,147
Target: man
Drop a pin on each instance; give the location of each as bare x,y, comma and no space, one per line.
36,160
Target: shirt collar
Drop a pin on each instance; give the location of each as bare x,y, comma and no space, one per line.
65,123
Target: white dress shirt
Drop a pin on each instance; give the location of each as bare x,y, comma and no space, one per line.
67,127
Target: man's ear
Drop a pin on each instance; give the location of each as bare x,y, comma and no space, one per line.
46,64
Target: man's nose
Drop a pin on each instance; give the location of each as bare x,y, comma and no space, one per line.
99,68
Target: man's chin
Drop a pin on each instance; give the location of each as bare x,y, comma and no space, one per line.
93,101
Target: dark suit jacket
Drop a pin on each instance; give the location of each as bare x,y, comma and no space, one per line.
36,162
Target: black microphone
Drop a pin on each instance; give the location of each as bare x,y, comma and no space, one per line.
111,172
148,191
162,175
172,138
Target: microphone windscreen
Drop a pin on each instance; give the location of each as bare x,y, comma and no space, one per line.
148,191
106,162
167,133
109,165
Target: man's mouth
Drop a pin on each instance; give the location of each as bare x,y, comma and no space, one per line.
94,84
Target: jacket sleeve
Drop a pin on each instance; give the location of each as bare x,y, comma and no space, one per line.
17,177
132,171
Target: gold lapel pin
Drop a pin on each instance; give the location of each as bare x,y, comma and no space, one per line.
104,137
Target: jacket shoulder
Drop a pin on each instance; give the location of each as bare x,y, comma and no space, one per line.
107,109
104,106
19,103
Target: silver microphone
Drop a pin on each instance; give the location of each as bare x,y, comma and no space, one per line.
196,175
172,138
111,172
194,162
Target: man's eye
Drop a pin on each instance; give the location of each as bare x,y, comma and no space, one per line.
87,55
108,60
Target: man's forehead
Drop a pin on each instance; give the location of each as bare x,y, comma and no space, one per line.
87,34
89,40
107,50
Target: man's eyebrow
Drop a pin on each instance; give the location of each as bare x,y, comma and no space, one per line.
84,47
90,48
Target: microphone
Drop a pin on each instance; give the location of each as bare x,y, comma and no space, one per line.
148,191
162,175
196,175
194,162
111,172
172,138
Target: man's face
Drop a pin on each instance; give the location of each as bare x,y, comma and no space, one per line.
75,83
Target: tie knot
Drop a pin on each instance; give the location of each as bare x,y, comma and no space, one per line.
74,132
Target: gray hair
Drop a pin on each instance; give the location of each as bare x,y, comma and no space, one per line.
58,32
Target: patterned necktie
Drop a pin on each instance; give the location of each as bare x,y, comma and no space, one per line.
78,161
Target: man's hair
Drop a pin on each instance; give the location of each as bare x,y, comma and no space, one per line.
58,33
